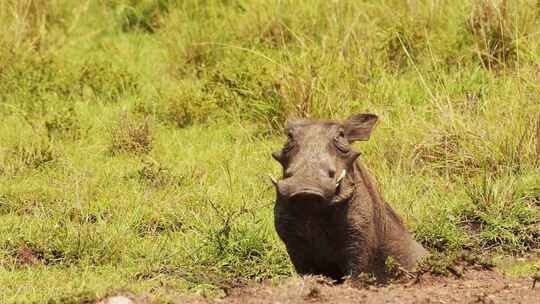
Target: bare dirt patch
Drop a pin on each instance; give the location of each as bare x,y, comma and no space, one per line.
473,287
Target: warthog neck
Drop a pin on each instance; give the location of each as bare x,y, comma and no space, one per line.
393,237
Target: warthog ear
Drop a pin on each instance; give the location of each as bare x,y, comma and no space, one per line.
293,123
277,155
359,126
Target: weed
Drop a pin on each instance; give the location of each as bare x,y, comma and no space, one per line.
106,81
275,33
439,264
131,135
452,263
63,123
440,233
445,150
42,84
236,251
392,267
192,49
144,15
496,32
33,202
296,94
153,174
33,84
28,23
500,218
185,106
158,221
32,155
404,40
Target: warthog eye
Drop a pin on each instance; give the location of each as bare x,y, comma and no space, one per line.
341,142
289,145
290,136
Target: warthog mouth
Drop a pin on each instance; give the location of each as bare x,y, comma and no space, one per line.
308,196
307,192
343,190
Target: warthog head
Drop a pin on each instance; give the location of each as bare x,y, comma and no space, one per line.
317,158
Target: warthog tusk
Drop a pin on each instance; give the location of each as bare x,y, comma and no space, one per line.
273,179
341,177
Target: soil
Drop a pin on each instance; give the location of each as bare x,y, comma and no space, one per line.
473,287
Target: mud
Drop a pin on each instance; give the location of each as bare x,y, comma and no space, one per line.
474,287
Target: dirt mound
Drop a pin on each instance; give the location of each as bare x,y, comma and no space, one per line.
474,287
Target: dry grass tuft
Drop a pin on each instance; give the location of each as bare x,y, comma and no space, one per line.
131,135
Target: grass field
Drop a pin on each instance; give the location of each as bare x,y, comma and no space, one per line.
135,136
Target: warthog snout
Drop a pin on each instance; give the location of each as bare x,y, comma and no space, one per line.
304,186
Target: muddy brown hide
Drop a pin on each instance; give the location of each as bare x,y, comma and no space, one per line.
328,210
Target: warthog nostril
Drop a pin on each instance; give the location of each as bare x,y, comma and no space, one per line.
331,173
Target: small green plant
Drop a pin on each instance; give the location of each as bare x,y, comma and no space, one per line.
440,264
440,232
161,220
498,217
236,250
394,271
453,263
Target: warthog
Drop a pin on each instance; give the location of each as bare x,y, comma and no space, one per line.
328,210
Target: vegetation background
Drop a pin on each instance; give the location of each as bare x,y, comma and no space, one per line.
135,136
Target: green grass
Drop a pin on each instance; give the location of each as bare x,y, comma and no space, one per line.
135,136
523,266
